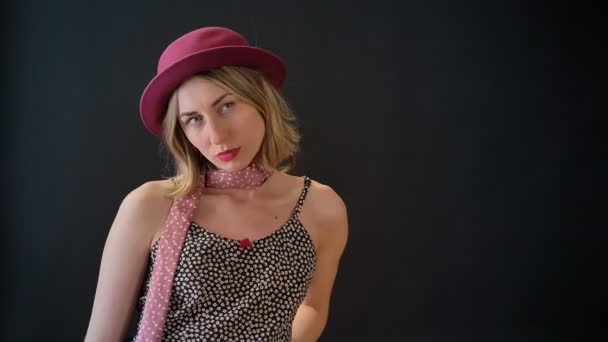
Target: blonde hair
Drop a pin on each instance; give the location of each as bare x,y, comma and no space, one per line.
281,138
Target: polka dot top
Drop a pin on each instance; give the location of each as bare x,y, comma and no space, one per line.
225,290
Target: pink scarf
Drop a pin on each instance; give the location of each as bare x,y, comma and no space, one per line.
172,239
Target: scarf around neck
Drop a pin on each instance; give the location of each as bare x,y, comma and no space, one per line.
171,242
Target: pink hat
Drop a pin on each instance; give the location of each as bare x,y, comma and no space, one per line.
200,50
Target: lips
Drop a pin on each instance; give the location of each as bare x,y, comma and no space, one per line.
228,154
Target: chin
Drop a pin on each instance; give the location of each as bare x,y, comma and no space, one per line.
233,165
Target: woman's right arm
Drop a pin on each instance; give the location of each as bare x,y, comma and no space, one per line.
141,215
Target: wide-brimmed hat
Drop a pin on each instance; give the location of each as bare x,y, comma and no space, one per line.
200,50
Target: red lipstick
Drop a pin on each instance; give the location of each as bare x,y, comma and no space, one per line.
228,155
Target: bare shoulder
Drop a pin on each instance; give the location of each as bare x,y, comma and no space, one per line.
150,192
145,208
327,203
328,213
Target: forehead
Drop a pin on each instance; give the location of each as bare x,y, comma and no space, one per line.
197,90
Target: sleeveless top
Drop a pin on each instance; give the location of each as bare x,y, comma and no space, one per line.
225,290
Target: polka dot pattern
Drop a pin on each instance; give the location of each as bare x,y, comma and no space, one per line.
223,290
172,239
247,178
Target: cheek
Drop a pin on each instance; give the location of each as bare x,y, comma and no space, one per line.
261,131
198,141
251,129
260,126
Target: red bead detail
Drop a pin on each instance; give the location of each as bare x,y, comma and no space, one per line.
245,243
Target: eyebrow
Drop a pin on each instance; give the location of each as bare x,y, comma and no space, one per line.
212,105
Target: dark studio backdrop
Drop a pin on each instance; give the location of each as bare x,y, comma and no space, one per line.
463,137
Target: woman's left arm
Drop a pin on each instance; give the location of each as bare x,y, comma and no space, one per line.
330,216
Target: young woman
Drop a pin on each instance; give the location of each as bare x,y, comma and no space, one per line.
232,248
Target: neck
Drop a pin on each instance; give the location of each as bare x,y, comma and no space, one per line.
249,178
241,194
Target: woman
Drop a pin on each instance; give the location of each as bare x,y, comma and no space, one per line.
232,248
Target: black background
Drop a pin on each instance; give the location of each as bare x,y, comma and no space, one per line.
463,136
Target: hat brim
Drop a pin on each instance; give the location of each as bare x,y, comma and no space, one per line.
154,99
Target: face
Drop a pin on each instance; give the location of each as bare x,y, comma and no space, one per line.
215,120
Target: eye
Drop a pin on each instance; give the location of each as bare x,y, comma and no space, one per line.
193,118
227,105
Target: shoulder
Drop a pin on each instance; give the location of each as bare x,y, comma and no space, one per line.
328,212
327,202
144,209
152,193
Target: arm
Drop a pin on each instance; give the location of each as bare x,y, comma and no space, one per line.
331,217
124,260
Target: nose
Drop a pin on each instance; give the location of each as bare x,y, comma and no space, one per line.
217,131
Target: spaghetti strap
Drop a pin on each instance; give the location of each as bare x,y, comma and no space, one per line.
268,277
303,194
